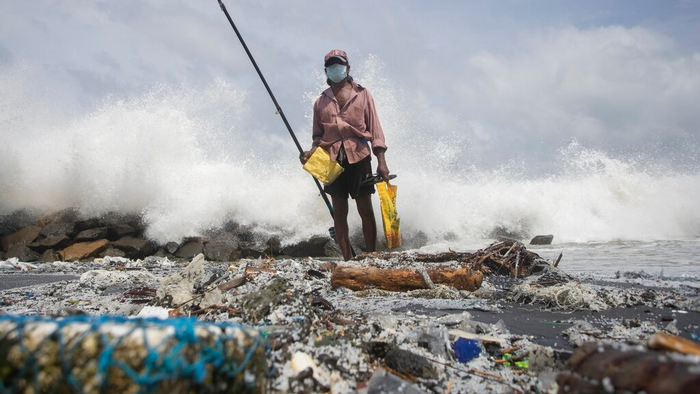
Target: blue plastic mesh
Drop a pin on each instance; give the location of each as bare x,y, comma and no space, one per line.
106,354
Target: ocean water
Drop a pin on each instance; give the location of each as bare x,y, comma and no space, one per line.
186,159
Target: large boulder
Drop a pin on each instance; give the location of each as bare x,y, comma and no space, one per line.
83,250
10,223
22,252
52,242
134,247
59,229
314,247
92,234
23,236
119,230
68,215
190,249
112,252
223,247
542,240
121,225
49,256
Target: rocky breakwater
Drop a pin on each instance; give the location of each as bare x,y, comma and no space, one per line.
69,236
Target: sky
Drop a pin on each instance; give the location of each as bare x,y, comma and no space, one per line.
503,81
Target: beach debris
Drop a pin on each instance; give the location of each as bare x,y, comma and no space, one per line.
581,332
155,311
120,355
479,337
466,349
605,368
14,264
303,365
664,341
362,278
436,341
385,382
103,279
258,305
542,240
546,359
410,364
189,287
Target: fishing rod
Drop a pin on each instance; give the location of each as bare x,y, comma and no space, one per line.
281,113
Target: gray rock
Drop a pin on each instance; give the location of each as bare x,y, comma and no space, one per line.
86,224
313,247
113,219
58,229
119,230
134,247
68,215
190,249
22,252
220,251
171,247
52,242
23,236
10,223
252,249
49,256
92,234
113,252
409,363
385,382
542,240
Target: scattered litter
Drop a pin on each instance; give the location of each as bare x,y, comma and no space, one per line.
14,264
466,349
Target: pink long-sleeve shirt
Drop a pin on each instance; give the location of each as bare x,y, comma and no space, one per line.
355,126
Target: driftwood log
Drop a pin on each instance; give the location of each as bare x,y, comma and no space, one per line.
504,258
362,278
598,368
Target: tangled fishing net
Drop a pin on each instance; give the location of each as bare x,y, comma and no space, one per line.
566,296
84,354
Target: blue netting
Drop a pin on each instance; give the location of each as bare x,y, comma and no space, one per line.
85,354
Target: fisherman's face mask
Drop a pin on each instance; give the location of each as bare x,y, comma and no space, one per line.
337,72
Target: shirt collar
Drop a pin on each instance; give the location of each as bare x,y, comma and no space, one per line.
356,87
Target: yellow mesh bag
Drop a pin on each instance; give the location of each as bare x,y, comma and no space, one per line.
322,167
390,216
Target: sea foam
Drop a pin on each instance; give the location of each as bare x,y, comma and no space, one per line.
188,159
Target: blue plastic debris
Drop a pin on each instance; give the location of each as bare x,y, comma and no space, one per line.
466,349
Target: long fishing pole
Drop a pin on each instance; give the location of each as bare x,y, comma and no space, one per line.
281,113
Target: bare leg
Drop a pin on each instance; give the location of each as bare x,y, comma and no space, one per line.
369,225
340,221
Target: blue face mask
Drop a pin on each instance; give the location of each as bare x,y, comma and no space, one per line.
337,72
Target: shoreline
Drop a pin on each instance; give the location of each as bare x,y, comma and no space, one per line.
334,327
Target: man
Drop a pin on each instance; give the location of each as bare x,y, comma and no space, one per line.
346,124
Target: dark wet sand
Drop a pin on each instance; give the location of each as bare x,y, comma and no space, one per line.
546,326
12,281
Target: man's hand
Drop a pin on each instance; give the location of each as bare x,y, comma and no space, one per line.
382,168
305,156
383,171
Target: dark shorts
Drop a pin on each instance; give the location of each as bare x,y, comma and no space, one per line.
348,183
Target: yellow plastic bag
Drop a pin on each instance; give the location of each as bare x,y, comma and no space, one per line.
390,216
322,167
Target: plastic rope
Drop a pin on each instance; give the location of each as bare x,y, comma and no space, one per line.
212,361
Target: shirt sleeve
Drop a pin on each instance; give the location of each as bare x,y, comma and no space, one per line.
373,126
317,130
